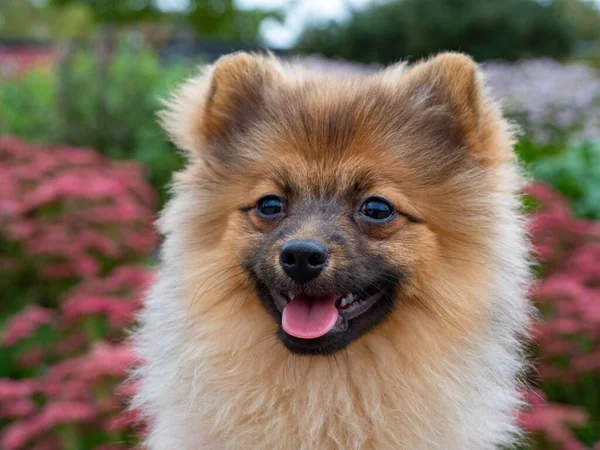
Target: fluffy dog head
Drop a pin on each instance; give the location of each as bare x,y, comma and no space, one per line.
336,202
369,221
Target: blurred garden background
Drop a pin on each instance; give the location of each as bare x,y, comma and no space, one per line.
84,169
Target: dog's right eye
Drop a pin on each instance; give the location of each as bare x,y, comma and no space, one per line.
270,207
377,210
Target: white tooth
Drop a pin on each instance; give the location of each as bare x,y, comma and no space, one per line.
291,296
347,300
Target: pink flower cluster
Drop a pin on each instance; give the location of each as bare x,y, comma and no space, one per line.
78,388
76,227
568,333
116,297
553,421
24,323
79,393
71,209
15,61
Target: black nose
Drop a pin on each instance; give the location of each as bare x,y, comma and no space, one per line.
303,260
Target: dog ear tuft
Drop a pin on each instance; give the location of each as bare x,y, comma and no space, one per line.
218,102
452,82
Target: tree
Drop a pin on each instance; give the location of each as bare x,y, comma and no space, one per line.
215,18
584,15
487,29
223,19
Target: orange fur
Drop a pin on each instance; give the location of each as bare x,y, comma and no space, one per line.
441,370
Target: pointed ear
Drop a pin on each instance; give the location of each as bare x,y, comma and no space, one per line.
452,82
219,102
450,79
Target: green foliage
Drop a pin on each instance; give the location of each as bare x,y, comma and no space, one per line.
83,18
116,11
217,18
223,19
573,170
28,107
584,15
111,108
486,29
35,19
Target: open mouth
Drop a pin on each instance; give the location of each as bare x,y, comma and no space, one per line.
309,317
321,323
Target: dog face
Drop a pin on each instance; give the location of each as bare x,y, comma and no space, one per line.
328,260
336,196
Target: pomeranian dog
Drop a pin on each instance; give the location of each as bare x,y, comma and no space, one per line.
345,263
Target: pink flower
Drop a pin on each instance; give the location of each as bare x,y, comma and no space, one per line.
18,434
19,407
60,412
125,420
553,420
85,267
587,363
25,323
106,360
15,389
127,389
118,311
71,389
103,360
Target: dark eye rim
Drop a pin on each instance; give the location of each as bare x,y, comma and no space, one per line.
270,216
371,198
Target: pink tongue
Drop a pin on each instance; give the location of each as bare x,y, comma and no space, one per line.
308,319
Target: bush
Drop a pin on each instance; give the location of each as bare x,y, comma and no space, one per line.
28,106
76,231
487,29
110,107
568,336
573,170
66,214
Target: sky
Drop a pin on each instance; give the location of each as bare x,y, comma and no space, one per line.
300,12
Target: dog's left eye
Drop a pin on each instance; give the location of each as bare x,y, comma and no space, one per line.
377,209
269,206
